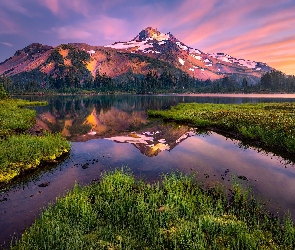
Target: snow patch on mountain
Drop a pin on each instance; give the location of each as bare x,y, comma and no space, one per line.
248,64
91,52
132,44
151,51
192,51
161,37
227,58
181,61
196,57
183,47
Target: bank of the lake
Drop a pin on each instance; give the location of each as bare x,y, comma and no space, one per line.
272,124
21,151
175,213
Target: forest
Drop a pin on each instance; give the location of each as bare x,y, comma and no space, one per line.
151,83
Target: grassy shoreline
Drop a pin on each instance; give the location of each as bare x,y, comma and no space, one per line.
119,212
272,124
19,150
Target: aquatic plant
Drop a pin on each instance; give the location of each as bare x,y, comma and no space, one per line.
273,124
119,212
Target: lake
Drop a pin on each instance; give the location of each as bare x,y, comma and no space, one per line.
109,132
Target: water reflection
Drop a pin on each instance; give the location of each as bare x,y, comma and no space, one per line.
212,156
108,132
103,116
154,140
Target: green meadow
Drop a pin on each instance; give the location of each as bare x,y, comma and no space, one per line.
270,124
119,212
19,150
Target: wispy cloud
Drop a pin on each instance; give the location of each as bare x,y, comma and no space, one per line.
7,44
14,6
246,29
8,26
101,30
61,7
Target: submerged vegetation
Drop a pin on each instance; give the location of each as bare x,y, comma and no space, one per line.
272,124
177,213
20,151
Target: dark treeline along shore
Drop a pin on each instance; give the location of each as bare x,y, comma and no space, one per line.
151,83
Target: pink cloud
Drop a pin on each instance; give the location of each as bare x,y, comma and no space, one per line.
231,29
14,6
101,30
60,7
52,5
7,25
71,32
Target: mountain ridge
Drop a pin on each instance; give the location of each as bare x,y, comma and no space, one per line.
150,50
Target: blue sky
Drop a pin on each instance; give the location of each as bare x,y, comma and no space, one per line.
260,30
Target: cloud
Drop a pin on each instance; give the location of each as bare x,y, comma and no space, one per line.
52,5
7,26
61,7
103,29
7,44
245,29
14,6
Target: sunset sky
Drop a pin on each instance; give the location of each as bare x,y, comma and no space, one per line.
260,30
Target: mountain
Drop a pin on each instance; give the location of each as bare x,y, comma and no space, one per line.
165,47
149,51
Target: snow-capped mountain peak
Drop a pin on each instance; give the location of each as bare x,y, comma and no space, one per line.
143,41
150,33
164,46
148,50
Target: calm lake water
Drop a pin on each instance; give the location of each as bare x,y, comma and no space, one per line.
109,132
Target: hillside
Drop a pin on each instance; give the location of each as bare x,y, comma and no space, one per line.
151,53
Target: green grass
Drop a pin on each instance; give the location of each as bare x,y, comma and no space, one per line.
273,124
20,151
176,213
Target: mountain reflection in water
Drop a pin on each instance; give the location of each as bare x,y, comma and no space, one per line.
109,132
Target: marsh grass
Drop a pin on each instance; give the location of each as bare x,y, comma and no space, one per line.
176,213
273,124
20,151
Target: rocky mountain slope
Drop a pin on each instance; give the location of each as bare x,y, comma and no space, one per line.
150,50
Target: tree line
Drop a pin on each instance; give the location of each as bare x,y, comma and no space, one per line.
150,83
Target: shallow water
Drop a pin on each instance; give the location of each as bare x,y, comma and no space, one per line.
121,135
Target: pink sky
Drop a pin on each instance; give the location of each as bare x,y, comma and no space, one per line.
257,30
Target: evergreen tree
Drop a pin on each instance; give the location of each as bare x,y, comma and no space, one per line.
3,94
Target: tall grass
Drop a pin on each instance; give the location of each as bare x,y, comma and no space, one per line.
273,124
19,151
176,213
